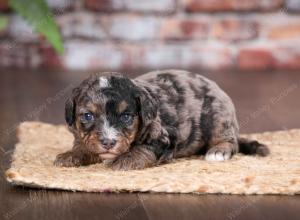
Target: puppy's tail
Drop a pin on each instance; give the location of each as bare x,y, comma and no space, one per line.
252,147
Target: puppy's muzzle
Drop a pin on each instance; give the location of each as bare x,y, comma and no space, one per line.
108,143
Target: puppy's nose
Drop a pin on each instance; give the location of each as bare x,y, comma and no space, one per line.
108,143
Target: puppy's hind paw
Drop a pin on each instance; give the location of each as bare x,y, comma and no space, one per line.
217,154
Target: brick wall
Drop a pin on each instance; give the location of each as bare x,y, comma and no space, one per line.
156,34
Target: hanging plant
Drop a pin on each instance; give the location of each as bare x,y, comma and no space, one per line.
38,14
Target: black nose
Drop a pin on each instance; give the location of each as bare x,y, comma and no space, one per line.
108,143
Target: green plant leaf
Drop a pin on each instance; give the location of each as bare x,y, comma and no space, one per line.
3,22
38,14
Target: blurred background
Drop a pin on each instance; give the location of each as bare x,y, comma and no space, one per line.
251,48
242,35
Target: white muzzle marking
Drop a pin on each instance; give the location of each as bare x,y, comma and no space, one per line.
108,131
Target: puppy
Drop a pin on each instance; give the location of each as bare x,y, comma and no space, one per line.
134,124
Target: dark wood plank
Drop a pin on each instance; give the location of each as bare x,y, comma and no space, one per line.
22,203
264,101
221,206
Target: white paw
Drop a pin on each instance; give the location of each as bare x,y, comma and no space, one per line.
217,156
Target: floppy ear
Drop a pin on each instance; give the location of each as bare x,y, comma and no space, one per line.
148,106
70,108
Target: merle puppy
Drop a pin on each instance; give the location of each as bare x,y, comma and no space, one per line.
134,124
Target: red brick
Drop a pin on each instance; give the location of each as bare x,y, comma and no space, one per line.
49,58
285,32
28,55
160,6
18,55
184,29
4,5
279,26
60,6
231,5
105,5
257,58
235,29
281,55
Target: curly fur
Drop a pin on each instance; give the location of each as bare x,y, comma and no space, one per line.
172,114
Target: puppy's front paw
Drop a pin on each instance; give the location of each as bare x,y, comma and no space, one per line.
218,154
67,159
127,162
134,161
138,158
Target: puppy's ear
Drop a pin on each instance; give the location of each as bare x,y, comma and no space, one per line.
148,106
70,108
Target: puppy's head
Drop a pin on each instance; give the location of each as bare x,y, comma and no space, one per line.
107,112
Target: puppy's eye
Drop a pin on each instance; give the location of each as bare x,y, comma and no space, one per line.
126,118
87,117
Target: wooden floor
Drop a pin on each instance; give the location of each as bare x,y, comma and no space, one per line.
264,102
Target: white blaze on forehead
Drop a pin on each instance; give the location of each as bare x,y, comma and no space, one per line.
103,82
108,131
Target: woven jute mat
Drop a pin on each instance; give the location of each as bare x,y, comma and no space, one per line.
39,143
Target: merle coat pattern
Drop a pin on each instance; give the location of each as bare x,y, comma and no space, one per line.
149,120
